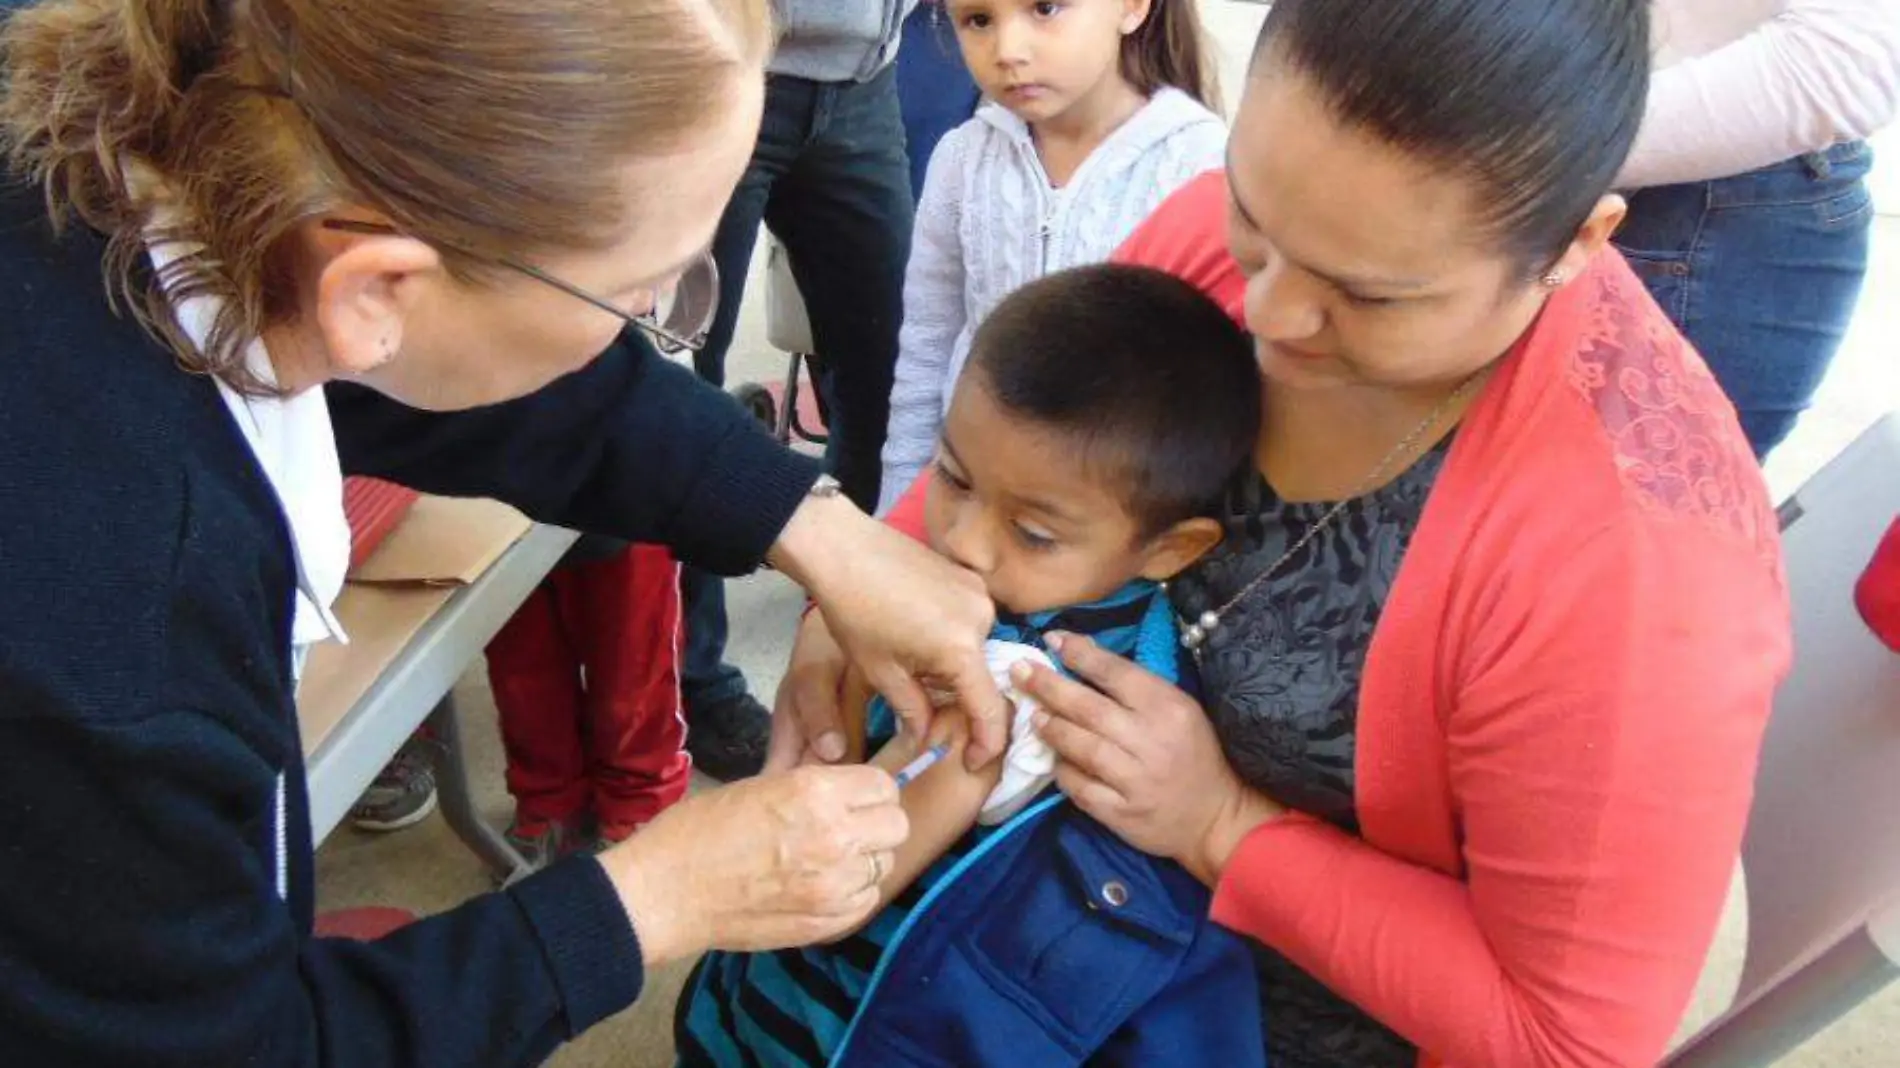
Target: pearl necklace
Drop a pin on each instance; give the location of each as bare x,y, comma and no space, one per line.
1194,635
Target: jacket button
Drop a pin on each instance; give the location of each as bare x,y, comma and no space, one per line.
1115,892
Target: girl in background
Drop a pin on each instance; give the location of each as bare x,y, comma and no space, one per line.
1100,109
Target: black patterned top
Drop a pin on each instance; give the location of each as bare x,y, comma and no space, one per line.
1281,674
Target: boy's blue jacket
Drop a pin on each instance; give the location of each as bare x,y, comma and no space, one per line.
1055,943
1063,945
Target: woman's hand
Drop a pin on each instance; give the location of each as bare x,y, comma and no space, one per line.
775,861
1141,757
906,617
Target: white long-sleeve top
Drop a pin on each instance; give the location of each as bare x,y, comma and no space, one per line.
1741,84
990,221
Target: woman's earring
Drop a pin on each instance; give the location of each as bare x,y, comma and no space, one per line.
1553,280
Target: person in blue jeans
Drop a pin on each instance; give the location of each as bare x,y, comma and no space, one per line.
1750,217
934,87
830,176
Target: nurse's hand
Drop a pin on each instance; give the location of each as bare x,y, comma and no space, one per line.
776,861
910,620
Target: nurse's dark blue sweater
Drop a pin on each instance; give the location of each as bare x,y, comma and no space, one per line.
155,854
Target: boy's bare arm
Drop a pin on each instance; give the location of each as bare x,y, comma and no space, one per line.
942,803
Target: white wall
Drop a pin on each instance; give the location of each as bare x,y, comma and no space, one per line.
1886,174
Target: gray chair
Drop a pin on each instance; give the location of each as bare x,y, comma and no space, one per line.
787,329
1822,850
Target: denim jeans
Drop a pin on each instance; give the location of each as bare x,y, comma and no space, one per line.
1761,272
933,86
830,177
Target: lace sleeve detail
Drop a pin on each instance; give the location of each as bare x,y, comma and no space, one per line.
1677,444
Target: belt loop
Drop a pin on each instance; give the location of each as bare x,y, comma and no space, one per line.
1819,167
824,99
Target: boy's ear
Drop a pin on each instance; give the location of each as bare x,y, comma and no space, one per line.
1177,548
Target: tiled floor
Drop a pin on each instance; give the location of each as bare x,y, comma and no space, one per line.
426,870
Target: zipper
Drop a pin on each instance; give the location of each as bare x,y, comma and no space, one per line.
1024,819
1049,199
283,842
1046,195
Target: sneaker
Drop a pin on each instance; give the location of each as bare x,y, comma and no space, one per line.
541,843
403,793
728,739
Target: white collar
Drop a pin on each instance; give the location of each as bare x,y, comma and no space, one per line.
293,442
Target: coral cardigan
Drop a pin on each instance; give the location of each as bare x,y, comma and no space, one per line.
1562,705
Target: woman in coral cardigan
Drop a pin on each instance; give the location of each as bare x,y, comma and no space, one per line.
1486,658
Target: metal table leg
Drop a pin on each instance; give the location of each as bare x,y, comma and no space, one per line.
346,761
788,402
457,798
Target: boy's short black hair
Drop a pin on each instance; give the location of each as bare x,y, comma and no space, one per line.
1155,381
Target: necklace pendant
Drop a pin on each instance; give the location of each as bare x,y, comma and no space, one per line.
1193,636
1209,621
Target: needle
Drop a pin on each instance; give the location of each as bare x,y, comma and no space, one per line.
924,762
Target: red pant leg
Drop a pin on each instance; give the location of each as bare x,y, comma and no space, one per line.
535,674
629,630
1878,592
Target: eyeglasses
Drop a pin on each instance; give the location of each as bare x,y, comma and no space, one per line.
682,313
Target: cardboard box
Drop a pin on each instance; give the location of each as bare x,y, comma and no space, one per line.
441,545
443,541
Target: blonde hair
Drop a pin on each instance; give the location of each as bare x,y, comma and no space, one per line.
489,128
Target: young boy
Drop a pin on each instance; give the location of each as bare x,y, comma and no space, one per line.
586,683
1103,413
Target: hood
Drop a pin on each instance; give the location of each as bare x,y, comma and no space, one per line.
1165,114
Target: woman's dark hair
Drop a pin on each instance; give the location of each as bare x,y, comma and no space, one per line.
1152,380
1535,101
1170,49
